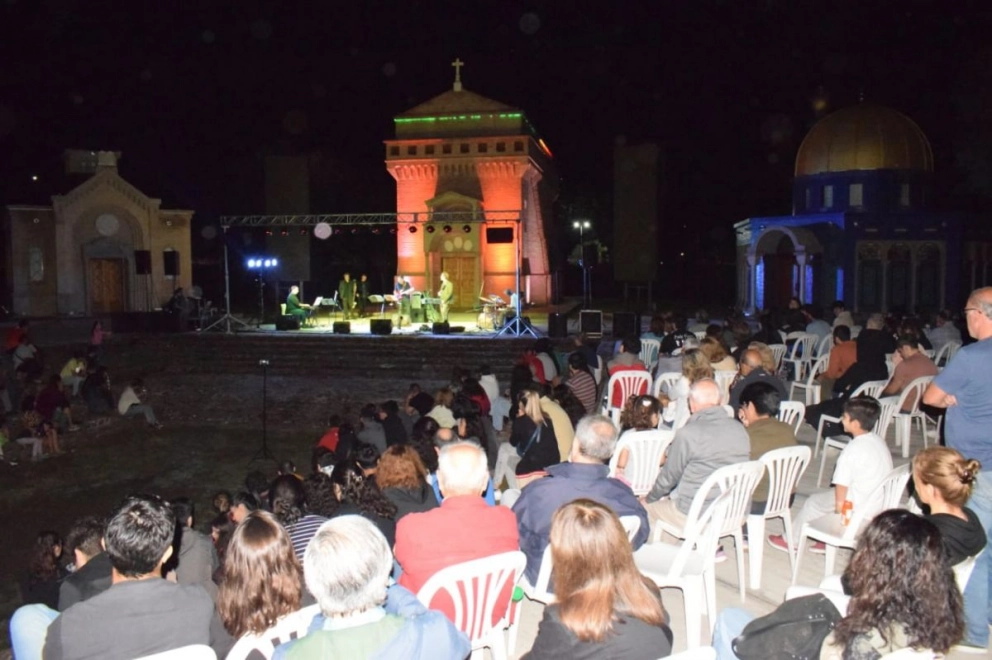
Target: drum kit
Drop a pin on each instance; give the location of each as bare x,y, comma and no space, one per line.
493,310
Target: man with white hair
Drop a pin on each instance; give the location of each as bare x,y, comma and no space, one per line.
346,567
463,528
711,439
584,476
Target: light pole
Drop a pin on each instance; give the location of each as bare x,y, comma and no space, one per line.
582,225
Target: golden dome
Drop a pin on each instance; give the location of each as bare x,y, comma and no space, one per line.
864,137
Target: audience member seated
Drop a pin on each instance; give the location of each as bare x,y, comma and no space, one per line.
709,440
944,480
910,363
566,400
943,332
862,465
258,485
642,413
331,436
470,424
26,360
585,475
470,528
627,358
532,446
604,607
911,326
499,405
442,438
130,403
759,406
74,372
677,335
700,321
347,568
560,421
752,369
371,431
392,425
843,356
717,354
92,572
580,380
422,441
520,379
53,406
263,578
45,571
197,559
673,363
287,501
96,391
903,595
815,325
38,429
243,504
142,613
418,403
695,368
402,478
358,494
441,412
841,315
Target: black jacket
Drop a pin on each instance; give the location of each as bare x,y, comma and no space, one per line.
632,639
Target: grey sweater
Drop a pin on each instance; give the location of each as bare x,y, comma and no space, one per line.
709,440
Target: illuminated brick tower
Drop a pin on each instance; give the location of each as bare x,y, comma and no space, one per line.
463,152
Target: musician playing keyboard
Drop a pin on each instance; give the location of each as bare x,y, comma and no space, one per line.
294,307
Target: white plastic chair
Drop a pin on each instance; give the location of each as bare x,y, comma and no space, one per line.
699,653
792,413
475,588
778,354
191,652
597,371
644,452
831,531
869,388
785,468
740,480
810,386
855,331
689,566
650,349
910,653
801,353
630,383
664,383
888,410
823,348
962,571
631,525
723,378
904,420
292,626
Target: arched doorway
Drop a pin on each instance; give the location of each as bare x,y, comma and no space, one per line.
780,265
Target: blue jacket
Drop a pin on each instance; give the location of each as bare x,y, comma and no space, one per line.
425,634
567,482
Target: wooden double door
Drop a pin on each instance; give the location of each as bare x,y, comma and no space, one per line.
463,271
105,284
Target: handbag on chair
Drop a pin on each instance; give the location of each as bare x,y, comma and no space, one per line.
794,631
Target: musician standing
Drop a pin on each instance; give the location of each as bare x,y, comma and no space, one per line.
363,294
347,292
403,291
446,293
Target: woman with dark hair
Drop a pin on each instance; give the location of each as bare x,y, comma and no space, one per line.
347,441
263,577
319,491
565,397
45,572
581,381
288,503
642,413
903,595
402,478
474,392
243,504
359,495
422,441
521,377
605,608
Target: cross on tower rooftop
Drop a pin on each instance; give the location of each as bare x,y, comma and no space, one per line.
458,64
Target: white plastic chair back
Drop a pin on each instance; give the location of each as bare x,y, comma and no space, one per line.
699,653
541,592
290,627
810,387
723,378
785,467
702,534
962,570
801,353
191,652
631,525
823,348
650,348
792,413
740,480
890,408
909,400
778,354
910,654
475,588
629,383
597,370
943,355
912,395
870,388
644,452
886,495
664,383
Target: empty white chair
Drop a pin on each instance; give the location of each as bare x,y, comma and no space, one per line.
888,410
831,530
792,413
740,480
801,353
650,348
191,652
664,383
778,354
723,378
625,384
689,566
910,399
810,387
292,626
785,467
476,588
644,452
870,388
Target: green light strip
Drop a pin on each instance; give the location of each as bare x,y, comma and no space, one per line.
501,115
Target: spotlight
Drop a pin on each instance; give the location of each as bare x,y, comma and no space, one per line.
392,230
431,229
284,232
256,263
303,232
251,263
467,229
268,232
354,230
447,229
413,229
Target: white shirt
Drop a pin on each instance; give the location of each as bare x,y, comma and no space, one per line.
128,399
24,352
491,387
862,466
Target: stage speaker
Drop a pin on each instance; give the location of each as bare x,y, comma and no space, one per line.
288,322
381,326
626,324
441,328
557,325
591,323
455,329
142,262
342,328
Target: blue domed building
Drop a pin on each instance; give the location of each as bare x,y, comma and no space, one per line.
863,229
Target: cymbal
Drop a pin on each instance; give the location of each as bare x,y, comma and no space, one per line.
485,299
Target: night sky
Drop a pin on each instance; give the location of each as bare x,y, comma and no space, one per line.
195,94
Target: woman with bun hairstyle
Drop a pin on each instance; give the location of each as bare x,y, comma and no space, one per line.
944,480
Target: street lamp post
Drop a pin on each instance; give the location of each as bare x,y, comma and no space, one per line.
582,225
